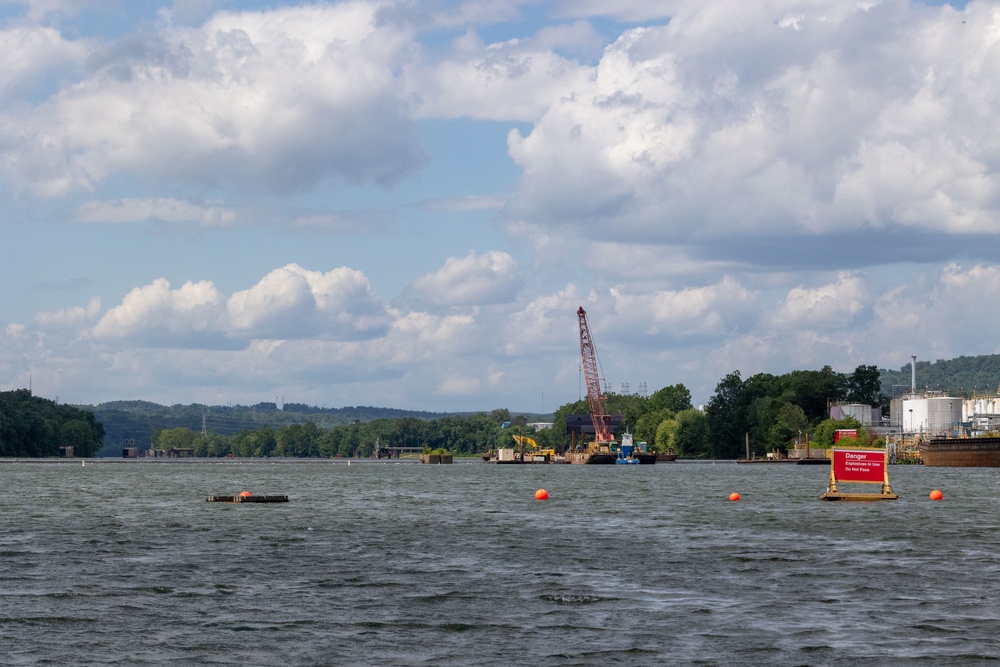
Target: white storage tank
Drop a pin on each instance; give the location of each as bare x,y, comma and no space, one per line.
865,414
943,413
936,415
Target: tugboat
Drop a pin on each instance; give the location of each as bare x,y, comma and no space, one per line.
630,453
625,453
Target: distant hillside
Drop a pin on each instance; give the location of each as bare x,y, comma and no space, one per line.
963,376
140,420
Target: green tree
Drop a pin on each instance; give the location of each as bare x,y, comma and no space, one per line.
262,442
823,434
665,435
33,426
79,434
500,416
864,385
174,438
674,398
759,403
790,420
761,417
297,440
215,445
646,427
814,390
726,417
691,436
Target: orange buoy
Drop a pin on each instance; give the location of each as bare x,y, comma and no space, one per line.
541,494
244,494
734,496
936,495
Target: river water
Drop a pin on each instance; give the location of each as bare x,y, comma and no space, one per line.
397,563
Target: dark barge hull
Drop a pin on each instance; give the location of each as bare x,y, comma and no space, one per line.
610,459
247,499
961,452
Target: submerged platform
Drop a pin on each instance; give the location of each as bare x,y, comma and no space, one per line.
247,499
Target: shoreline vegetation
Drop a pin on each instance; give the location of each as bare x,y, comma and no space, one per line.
774,410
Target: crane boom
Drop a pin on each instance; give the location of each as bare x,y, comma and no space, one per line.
595,398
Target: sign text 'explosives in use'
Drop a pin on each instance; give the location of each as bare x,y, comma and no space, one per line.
859,465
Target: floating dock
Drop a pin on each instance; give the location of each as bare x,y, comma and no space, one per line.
240,498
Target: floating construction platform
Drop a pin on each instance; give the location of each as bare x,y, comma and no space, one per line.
241,498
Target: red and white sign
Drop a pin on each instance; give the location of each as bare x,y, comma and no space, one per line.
859,465
845,433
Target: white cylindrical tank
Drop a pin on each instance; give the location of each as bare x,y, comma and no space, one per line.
914,415
973,407
943,413
860,411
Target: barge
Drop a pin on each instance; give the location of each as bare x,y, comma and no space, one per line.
961,452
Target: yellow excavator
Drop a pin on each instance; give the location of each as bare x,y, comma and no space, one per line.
534,453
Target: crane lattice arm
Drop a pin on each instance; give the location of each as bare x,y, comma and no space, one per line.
595,398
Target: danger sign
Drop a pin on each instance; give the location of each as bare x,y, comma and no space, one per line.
859,465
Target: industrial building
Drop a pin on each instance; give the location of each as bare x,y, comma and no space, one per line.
929,414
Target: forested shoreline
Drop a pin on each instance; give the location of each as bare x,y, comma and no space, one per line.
773,409
37,427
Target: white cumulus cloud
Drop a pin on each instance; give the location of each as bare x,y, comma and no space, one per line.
273,100
292,302
831,306
725,124
472,280
287,303
158,315
691,314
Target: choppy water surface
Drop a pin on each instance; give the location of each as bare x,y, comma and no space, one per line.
124,563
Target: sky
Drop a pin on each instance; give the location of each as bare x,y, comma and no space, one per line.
404,203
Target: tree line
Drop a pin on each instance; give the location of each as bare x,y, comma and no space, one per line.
37,427
140,420
457,434
773,409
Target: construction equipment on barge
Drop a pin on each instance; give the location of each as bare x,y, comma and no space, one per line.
603,449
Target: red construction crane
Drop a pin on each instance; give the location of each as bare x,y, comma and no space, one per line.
595,397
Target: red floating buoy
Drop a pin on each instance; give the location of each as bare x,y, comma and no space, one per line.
245,494
936,495
541,494
734,496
